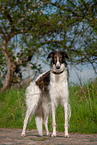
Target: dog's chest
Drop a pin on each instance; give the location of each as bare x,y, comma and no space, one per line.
58,85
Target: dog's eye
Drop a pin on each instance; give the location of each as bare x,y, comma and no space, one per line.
60,58
55,58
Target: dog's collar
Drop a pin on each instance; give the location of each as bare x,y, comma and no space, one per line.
57,73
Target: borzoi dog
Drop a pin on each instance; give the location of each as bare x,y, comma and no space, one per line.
47,91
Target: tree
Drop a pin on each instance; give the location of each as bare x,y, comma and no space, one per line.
17,17
68,25
78,29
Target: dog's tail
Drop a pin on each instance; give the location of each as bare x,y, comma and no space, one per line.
33,105
32,97
39,124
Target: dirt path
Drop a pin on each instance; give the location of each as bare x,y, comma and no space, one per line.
13,137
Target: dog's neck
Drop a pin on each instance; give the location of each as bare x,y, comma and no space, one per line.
58,73
60,77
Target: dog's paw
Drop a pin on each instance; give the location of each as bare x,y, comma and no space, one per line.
48,134
53,135
66,135
22,134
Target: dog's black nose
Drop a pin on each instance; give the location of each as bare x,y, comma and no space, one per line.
57,67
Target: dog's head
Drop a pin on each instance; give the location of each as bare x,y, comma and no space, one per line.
58,60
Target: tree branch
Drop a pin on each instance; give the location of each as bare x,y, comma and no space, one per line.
1,31
87,7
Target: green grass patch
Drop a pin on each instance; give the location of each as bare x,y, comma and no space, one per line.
83,101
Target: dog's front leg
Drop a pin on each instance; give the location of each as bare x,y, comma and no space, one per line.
66,119
54,122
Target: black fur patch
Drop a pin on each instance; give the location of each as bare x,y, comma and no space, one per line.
43,81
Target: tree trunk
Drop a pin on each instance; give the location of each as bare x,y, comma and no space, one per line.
10,67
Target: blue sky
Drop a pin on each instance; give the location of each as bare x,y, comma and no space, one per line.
85,73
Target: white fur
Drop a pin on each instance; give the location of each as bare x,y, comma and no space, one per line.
39,125
58,92
58,88
32,95
32,99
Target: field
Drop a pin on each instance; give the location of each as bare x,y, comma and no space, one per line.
83,101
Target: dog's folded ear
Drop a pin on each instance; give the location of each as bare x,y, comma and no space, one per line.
64,54
50,55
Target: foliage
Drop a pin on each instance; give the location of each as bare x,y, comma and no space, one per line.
83,101
27,26
17,17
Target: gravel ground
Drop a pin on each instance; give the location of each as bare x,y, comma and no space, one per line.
13,137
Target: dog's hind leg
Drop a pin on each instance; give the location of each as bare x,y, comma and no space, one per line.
28,113
32,99
46,124
26,121
46,111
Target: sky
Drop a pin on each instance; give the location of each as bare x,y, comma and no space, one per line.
85,73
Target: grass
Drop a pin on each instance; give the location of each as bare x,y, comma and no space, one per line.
83,101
